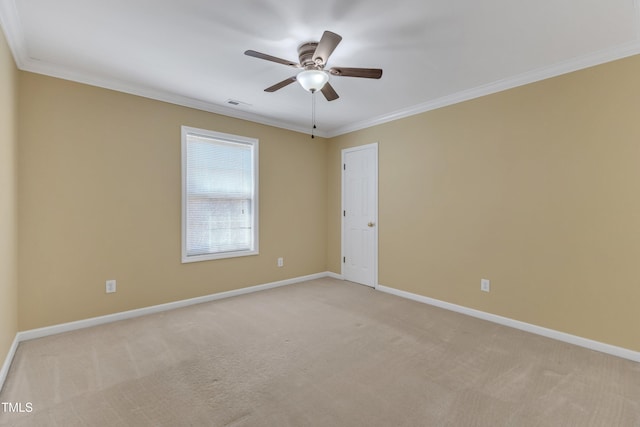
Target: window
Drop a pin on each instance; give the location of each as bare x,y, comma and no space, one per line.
219,195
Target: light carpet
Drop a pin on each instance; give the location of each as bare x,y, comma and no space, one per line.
318,353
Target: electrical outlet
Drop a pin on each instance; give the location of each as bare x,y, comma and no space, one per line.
485,285
110,286
280,262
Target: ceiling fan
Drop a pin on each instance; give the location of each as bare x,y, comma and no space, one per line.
313,59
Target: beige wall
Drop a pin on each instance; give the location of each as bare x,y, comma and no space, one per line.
99,198
535,188
8,200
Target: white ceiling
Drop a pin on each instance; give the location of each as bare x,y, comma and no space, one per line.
433,52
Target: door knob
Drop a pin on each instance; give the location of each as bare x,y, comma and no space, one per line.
371,224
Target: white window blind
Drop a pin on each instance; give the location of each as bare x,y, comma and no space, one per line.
220,209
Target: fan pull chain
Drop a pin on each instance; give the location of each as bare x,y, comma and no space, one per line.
313,113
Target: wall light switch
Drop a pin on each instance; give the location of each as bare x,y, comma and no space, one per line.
485,285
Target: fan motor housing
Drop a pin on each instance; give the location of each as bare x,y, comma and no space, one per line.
305,53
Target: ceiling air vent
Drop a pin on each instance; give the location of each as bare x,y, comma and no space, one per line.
237,103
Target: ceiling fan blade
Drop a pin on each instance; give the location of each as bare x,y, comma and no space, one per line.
367,73
260,55
329,92
326,46
280,85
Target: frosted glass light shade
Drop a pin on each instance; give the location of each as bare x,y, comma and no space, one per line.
312,80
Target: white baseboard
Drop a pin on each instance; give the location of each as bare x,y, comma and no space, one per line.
334,275
539,330
109,318
7,361
94,321
81,324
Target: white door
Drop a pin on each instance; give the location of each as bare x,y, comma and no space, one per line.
360,214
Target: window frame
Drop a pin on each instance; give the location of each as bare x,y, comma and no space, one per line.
224,137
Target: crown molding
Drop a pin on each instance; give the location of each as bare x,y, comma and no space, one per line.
35,66
564,67
10,22
14,34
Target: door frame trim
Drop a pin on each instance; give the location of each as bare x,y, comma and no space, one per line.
375,146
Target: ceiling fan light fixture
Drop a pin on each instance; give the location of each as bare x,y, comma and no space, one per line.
312,80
